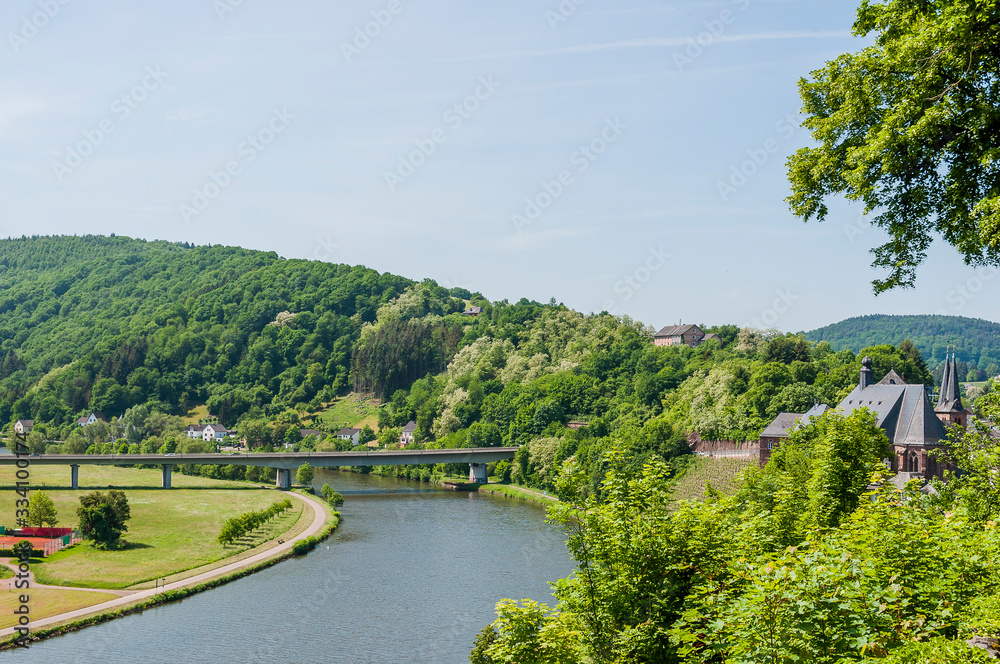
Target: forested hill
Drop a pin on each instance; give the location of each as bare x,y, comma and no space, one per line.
106,323
977,341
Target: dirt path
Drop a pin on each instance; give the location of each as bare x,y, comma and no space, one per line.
319,518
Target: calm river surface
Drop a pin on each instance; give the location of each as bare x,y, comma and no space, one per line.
411,576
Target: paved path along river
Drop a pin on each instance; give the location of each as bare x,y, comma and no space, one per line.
411,577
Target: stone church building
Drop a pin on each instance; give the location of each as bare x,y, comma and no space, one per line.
912,423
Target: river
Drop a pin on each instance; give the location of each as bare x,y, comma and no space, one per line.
411,576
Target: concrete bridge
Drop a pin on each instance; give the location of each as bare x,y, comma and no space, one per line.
284,462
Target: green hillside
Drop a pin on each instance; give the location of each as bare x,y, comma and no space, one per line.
106,323
977,341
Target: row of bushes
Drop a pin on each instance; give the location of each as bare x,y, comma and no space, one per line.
238,526
308,544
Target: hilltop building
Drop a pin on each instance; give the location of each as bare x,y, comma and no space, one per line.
913,425
675,335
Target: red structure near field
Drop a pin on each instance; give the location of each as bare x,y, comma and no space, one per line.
46,540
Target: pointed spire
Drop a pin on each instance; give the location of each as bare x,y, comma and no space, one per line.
945,375
950,399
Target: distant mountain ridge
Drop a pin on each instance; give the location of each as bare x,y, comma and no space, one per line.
976,341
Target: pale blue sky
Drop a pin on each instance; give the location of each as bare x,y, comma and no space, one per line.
183,85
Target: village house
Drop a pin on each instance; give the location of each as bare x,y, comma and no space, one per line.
195,430
406,436
214,432
675,335
94,417
351,434
23,427
912,424
309,433
473,311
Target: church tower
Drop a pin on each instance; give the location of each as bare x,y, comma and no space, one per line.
949,408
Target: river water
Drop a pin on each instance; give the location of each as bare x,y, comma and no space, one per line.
411,576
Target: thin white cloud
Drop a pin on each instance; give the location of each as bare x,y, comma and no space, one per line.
656,42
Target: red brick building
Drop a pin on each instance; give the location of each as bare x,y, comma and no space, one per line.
913,425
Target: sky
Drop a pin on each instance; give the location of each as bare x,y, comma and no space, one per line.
626,156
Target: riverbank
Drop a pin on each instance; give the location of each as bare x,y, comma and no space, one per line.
506,490
324,522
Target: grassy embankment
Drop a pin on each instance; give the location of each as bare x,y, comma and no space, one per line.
520,493
350,411
172,534
47,602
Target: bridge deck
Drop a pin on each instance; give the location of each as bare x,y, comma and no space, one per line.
277,459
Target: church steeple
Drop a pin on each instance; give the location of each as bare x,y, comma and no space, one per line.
950,399
949,407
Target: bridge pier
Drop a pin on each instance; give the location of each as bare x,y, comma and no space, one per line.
284,481
477,473
167,468
74,476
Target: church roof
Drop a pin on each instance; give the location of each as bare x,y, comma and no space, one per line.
903,411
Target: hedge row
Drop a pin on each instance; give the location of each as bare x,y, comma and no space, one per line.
238,526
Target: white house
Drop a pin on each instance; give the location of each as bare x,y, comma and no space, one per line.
351,434
195,430
24,426
92,418
406,436
214,433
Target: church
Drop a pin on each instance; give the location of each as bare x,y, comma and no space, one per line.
912,423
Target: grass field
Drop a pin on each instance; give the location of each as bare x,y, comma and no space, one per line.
169,532
100,477
196,414
44,602
720,472
350,411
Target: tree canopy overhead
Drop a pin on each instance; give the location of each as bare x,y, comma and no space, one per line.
909,126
